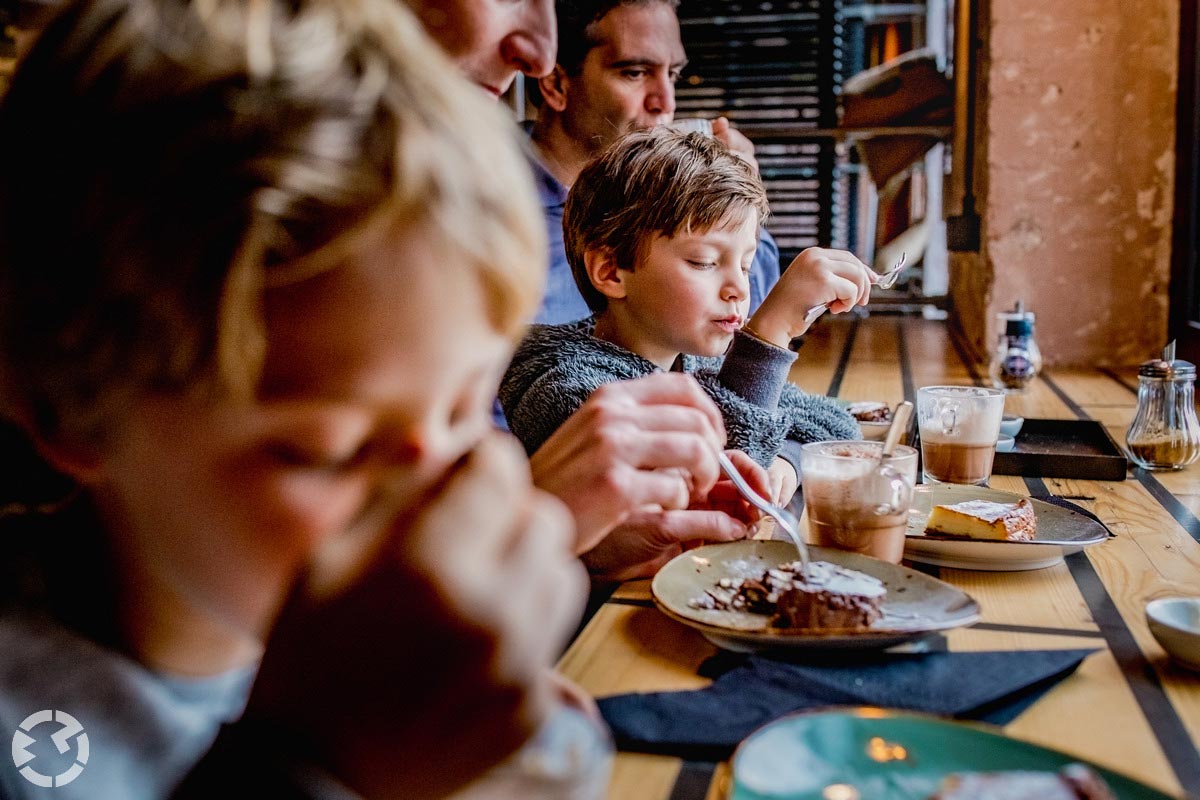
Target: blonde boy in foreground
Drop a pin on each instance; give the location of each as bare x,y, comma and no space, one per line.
237,312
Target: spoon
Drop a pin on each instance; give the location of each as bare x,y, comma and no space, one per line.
899,423
782,516
885,281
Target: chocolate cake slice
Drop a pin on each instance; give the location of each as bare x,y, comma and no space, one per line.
827,596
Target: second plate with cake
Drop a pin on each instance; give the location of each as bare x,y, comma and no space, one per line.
1060,532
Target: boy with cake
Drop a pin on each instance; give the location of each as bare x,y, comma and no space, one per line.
660,232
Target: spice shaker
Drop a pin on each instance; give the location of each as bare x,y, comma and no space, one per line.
1165,433
1016,360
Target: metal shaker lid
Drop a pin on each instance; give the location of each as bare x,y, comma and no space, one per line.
1167,370
1168,367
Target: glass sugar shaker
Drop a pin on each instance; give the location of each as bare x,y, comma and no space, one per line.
1016,360
1165,433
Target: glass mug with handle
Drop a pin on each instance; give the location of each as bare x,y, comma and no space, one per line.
855,499
692,125
959,427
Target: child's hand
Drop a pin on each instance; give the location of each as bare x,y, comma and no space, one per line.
817,276
784,481
452,623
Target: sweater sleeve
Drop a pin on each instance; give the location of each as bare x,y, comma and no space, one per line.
756,370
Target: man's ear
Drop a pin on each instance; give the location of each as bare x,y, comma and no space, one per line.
554,89
602,270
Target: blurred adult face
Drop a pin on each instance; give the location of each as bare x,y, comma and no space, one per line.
493,40
627,81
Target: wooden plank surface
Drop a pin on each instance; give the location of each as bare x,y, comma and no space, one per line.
1127,707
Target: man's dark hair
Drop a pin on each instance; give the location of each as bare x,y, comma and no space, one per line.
576,34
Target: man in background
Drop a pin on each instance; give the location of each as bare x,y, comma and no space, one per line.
616,69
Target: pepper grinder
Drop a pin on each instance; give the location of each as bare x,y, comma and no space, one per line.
1165,433
1016,360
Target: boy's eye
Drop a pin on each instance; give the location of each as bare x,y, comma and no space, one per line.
702,264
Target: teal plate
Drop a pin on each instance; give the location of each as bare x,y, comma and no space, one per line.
873,754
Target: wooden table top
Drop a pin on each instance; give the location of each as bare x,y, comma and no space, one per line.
1127,707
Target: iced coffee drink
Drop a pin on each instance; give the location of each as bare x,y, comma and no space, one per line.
854,499
959,426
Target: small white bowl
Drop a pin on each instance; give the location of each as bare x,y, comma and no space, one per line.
1005,444
1175,623
874,431
1010,425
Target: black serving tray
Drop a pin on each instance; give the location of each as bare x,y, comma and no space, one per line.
1063,448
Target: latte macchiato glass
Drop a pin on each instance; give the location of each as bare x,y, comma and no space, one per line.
959,427
855,499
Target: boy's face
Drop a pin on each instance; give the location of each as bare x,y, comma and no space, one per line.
492,40
379,371
688,294
627,81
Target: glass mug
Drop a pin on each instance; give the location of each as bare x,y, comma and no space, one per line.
855,500
692,125
959,426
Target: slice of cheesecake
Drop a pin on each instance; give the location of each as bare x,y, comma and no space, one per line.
983,519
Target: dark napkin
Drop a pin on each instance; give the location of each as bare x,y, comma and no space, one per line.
708,723
1055,500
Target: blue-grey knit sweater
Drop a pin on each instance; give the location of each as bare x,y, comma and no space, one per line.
557,367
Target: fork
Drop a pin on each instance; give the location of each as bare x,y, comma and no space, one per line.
782,516
885,281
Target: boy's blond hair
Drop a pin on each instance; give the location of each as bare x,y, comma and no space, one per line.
654,183
168,161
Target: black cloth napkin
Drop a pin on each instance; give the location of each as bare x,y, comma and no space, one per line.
707,724
1055,500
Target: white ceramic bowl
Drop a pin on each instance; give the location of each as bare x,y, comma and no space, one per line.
874,431
1010,425
1005,444
1175,623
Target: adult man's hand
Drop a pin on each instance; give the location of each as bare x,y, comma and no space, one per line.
651,538
724,132
640,545
632,445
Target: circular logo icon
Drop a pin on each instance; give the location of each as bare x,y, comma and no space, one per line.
69,729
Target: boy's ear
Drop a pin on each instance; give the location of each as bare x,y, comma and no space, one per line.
554,89
83,464
605,275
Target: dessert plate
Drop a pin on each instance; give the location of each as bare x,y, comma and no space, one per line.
873,754
916,604
1060,532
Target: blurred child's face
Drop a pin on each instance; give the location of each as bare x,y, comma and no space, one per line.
688,294
382,369
493,40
